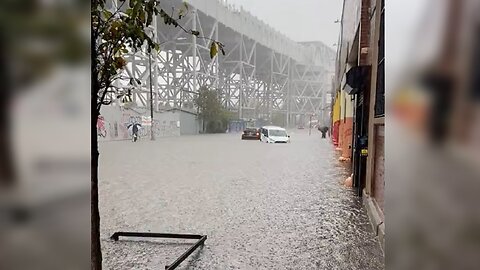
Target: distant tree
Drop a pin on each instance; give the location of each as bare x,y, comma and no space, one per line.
279,119
115,32
214,117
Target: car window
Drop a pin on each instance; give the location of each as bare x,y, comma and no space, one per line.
279,133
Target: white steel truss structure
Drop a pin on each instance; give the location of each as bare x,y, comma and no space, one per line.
262,73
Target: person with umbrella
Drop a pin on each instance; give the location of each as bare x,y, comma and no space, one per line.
134,128
324,131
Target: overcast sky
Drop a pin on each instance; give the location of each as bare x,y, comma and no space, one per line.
301,20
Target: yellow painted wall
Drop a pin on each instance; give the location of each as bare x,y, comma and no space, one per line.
349,105
336,108
343,106
346,105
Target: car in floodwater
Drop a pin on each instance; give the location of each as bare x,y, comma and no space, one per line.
273,134
251,134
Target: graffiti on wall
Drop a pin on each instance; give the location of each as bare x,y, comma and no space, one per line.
159,128
101,130
114,126
115,129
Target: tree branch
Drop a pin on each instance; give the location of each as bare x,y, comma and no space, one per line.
108,81
113,15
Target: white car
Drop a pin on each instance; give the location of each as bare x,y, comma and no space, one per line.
272,134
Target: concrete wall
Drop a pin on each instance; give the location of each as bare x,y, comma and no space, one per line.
189,124
112,125
166,124
379,168
236,126
349,25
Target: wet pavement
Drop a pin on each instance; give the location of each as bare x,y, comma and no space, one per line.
263,206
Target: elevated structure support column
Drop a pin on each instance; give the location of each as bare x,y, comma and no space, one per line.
240,85
194,48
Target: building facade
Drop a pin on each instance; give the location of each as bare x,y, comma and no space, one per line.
358,111
114,121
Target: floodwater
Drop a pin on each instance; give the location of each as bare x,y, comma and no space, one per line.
262,206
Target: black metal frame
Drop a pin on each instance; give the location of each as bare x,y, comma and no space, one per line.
201,240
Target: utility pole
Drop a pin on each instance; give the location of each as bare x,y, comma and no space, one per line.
153,36
152,137
310,127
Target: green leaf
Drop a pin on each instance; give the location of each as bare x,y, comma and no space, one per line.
119,62
180,14
163,14
107,14
149,18
182,11
136,9
221,47
213,49
131,3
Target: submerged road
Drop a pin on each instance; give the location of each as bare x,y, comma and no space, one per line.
263,206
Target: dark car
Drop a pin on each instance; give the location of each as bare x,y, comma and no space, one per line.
251,133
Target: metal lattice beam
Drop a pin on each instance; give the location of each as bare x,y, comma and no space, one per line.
256,78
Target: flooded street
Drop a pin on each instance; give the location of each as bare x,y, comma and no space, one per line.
263,206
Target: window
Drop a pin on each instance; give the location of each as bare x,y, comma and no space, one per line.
475,72
278,133
380,91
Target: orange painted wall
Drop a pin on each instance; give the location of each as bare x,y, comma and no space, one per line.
336,120
336,132
345,136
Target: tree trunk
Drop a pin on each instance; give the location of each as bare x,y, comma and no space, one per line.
7,168
96,251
